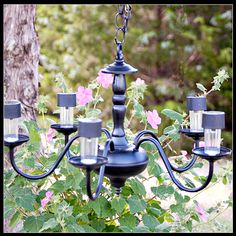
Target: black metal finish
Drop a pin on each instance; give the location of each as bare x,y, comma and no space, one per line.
169,169
201,153
196,135
66,99
118,111
196,103
65,130
22,138
124,163
152,134
101,161
90,128
119,67
12,109
53,167
213,120
118,160
76,161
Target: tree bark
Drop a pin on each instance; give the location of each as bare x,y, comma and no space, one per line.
21,57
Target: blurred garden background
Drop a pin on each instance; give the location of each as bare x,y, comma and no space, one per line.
174,47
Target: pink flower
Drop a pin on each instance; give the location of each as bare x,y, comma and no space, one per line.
184,153
201,212
84,95
45,200
139,82
153,118
50,134
201,144
104,79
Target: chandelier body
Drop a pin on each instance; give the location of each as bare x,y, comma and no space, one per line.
118,159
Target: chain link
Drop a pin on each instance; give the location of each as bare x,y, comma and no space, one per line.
124,13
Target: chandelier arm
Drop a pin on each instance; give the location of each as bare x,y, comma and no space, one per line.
106,131
109,145
169,169
180,169
53,167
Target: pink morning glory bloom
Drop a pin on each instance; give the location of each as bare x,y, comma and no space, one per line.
184,153
139,82
201,144
104,79
153,118
50,134
84,95
201,212
45,200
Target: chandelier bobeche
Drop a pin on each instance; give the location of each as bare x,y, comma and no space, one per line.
118,159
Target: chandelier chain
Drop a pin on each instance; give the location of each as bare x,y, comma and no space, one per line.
123,13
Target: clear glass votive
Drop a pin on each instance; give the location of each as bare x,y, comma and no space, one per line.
213,122
12,113
89,130
66,102
196,106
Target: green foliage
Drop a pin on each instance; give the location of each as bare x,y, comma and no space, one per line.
71,56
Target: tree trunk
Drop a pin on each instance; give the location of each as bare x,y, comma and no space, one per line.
21,57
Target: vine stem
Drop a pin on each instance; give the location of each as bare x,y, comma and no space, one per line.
212,218
96,96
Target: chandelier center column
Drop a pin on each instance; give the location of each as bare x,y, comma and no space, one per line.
118,110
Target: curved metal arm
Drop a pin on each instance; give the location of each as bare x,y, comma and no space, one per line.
53,167
169,169
108,134
108,145
179,169
68,153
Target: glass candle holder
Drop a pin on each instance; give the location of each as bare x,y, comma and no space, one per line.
89,131
213,122
12,113
196,106
66,102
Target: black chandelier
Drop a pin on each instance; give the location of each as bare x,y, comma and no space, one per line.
118,159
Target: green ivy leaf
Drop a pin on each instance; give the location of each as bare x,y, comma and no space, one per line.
141,229
173,115
137,187
15,219
118,204
88,229
224,180
128,220
33,224
50,224
98,225
136,204
101,207
155,169
126,229
33,130
139,111
163,191
58,187
29,162
150,221
154,211
189,225
26,201
93,113
201,87
177,208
